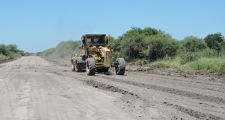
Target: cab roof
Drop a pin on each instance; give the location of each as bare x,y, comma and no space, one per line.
94,35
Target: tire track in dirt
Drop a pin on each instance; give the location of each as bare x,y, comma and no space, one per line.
108,87
191,112
136,104
130,101
94,82
104,86
192,95
23,108
188,111
195,81
182,79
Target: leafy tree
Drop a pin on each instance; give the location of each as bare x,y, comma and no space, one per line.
133,46
193,44
143,32
134,42
4,50
161,46
215,41
10,51
150,31
115,44
147,43
116,47
13,48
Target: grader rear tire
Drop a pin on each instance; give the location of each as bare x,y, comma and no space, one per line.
73,67
77,63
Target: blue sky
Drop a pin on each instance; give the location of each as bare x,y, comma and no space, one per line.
35,25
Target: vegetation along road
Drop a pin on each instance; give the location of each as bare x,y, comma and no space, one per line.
35,89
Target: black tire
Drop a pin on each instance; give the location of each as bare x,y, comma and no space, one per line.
77,63
91,67
121,66
72,66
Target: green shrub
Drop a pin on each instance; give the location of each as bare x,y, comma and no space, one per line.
160,47
10,52
208,64
141,62
171,62
207,53
192,44
188,57
148,31
133,46
13,55
116,47
115,44
3,57
4,50
215,41
134,43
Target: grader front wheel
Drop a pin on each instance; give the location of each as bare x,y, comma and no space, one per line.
91,67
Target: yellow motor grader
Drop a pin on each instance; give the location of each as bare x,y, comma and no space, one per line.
94,55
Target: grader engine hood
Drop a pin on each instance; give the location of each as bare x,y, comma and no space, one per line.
102,55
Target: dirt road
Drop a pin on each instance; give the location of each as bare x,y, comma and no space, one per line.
32,88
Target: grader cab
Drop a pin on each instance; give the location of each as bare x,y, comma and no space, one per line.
94,55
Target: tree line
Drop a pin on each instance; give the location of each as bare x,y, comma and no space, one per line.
10,52
151,44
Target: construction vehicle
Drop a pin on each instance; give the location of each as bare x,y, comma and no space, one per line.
95,55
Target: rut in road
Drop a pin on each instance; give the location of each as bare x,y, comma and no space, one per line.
190,112
172,91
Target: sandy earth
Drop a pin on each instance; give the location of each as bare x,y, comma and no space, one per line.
32,88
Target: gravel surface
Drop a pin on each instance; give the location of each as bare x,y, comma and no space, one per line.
32,88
